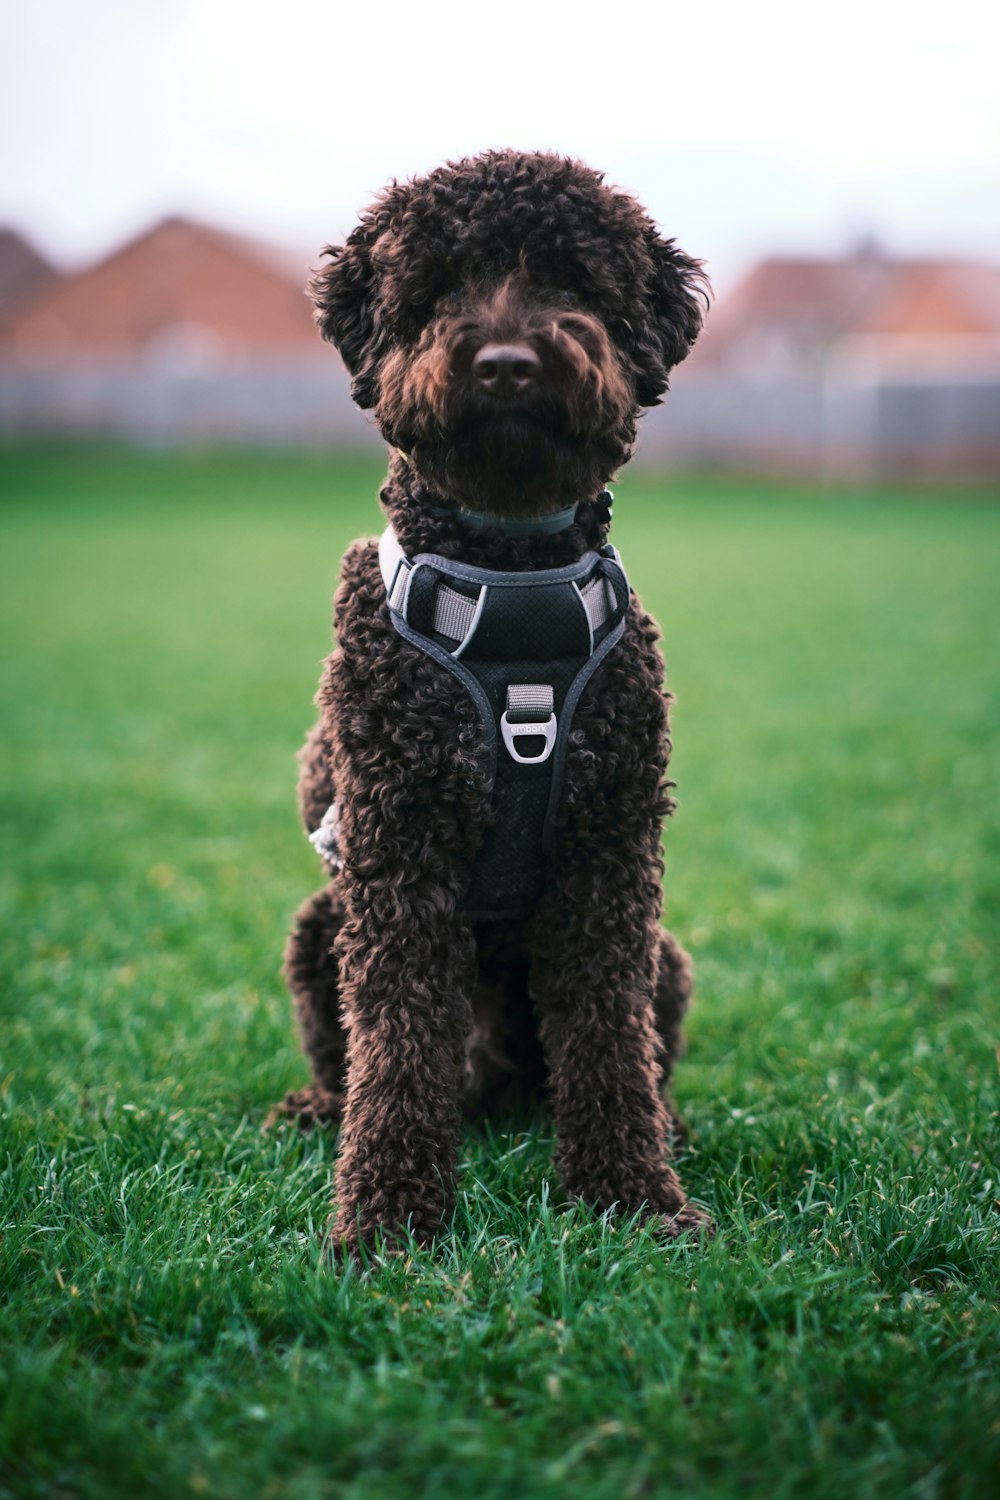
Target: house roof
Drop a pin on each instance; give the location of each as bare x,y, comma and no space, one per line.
23,272
806,306
177,289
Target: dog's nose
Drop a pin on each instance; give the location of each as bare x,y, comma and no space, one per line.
506,369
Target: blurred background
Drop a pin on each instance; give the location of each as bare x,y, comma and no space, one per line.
169,173
810,516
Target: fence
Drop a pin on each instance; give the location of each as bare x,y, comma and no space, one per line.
851,424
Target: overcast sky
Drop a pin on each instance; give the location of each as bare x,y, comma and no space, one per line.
767,125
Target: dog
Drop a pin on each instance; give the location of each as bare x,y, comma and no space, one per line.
493,903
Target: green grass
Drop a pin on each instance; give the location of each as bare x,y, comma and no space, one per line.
166,1326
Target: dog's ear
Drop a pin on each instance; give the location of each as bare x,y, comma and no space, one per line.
345,295
677,301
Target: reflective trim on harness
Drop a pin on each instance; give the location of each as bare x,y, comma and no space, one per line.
598,601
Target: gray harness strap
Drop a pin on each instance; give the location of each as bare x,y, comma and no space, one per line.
524,646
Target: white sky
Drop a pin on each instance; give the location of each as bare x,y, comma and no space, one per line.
745,128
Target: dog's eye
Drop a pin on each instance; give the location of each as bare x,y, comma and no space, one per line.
583,328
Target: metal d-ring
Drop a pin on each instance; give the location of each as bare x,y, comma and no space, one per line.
516,731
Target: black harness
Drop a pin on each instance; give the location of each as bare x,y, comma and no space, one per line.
524,646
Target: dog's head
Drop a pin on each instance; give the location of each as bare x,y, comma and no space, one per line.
506,317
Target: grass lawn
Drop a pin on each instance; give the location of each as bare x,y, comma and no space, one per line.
166,1328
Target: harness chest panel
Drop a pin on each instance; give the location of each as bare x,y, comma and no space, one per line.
524,646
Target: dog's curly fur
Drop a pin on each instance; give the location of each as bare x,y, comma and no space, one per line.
410,1011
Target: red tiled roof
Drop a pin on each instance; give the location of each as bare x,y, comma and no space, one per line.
241,298
810,304
23,272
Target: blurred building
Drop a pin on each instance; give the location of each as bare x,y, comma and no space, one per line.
186,333
23,274
855,368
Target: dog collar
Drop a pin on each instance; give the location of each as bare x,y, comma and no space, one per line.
549,524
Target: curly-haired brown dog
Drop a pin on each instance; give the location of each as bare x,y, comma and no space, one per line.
505,318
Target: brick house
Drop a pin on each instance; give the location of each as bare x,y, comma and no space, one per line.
794,315
855,368
180,290
24,274
187,331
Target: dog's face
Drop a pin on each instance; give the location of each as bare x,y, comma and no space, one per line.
506,318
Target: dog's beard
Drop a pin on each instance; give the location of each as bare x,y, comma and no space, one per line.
514,462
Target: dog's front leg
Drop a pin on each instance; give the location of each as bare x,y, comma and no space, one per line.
596,943
594,998
406,744
407,1011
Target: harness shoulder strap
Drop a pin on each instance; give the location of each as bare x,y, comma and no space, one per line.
456,614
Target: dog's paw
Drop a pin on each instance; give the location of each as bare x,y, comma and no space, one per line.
345,1248
307,1108
368,1236
345,1253
690,1222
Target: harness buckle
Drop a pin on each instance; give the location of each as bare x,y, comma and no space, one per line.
512,732
529,713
